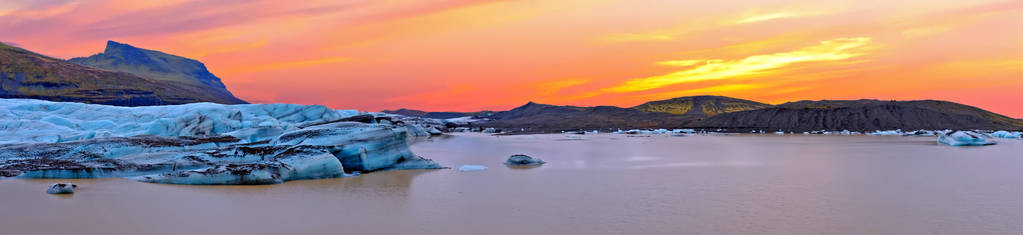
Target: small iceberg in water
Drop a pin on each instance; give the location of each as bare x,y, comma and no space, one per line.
965,138
1007,135
523,160
471,168
62,188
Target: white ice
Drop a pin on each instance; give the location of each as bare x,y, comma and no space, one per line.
965,138
1007,134
26,121
472,168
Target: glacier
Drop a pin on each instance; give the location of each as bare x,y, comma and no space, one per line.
201,143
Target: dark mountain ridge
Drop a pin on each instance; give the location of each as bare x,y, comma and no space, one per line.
799,116
534,117
420,113
700,106
158,66
25,74
863,115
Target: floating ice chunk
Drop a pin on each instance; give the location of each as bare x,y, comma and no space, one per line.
523,160
921,133
472,168
886,133
1007,135
965,138
462,120
680,131
62,188
294,167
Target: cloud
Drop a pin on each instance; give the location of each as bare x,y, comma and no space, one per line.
708,90
775,16
830,50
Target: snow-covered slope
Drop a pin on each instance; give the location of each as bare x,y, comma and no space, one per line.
201,143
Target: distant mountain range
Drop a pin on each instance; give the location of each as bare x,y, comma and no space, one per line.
122,75
541,117
437,115
700,106
864,115
718,112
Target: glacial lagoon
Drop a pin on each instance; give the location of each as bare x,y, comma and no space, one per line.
591,184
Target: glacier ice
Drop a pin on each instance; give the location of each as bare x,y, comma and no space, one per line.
25,120
200,143
965,138
472,168
1007,134
523,160
61,188
887,133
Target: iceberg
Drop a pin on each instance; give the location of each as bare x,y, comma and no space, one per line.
207,144
523,160
921,133
471,168
887,133
1007,135
965,138
62,188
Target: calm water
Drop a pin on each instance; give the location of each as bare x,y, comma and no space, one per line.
605,184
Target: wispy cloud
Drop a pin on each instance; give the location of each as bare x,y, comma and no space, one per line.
712,90
775,16
830,50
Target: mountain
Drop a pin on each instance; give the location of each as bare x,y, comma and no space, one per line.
701,106
25,74
863,115
420,113
535,117
158,66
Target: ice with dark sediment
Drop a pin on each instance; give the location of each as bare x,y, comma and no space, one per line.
197,143
1007,134
965,138
61,188
523,160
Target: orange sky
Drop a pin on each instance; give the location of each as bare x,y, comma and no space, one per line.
470,55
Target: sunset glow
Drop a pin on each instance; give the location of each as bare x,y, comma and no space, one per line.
458,55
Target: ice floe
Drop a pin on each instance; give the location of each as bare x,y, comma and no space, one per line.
965,138
1007,134
523,160
61,188
472,168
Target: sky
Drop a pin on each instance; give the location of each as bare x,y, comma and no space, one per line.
459,55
